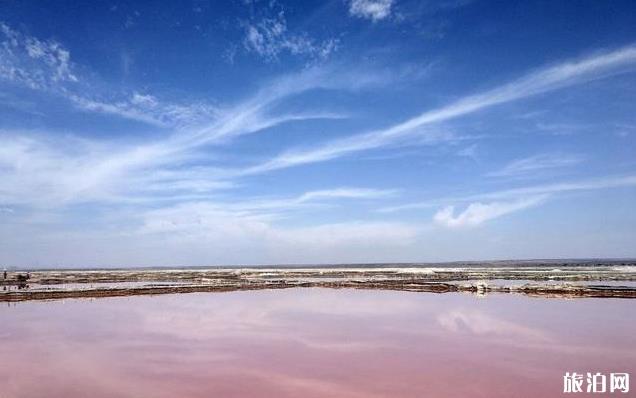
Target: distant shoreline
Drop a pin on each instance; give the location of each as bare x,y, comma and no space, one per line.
571,280
571,262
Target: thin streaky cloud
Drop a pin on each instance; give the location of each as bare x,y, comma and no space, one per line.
585,185
162,152
608,182
309,198
365,193
98,171
537,163
119,109
477,213
257,214
562,75
46,66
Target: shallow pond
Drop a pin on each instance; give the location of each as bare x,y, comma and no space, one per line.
310,343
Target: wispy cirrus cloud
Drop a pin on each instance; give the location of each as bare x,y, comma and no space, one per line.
195,227
57,171
512,196
364,193
268,208
536,164
544,80
148,109
606,182
311,199
47,171
478,213
46,66
166,156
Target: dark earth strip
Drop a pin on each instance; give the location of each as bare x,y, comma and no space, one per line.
611,279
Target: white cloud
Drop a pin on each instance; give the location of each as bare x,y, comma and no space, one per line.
206,227
35,170
46,65
270,208
541,81
144,100
148,109
123,109
35,63
582,185
374,10
53,172
547,189
534,164
269,37
478,213
469,152
360,193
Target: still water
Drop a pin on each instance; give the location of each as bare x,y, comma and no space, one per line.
311,343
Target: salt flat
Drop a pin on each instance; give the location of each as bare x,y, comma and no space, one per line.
546,278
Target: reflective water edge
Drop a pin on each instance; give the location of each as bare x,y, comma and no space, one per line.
310,343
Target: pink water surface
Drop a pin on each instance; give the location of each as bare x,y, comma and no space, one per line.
311,343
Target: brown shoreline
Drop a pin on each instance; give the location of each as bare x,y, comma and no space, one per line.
538,291
553,281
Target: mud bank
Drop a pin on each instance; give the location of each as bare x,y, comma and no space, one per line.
546,280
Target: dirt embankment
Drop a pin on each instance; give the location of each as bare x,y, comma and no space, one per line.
546,280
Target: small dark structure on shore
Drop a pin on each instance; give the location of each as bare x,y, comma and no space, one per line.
19,280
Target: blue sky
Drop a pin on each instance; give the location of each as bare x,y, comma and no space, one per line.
263,132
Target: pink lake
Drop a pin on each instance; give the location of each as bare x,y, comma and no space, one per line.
311,343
